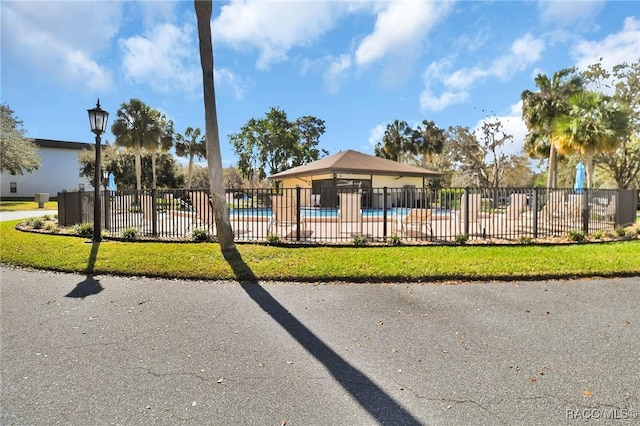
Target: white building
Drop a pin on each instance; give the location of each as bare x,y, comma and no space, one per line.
59,171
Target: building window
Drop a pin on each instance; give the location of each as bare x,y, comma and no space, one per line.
14,187
81,187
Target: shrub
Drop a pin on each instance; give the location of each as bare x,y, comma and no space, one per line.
577,236
273,239
395,240
35,223
525,239
130,233
360,240
620,231
461,239
598,235
52,227
200,235
84,229
46,217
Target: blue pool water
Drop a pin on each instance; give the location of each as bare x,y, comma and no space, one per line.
328,213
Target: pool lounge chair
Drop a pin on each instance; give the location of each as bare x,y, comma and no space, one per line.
284,219
350,214
513,213
416,224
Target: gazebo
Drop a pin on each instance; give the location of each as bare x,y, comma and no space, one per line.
351,171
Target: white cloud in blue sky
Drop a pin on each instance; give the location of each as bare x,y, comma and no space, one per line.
356,64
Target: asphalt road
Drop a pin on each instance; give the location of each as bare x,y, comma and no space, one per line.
82,350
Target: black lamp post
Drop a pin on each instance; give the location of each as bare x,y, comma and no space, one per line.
98,121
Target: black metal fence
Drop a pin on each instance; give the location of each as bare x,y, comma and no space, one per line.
377,214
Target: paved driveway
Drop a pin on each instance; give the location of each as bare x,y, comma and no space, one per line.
105,350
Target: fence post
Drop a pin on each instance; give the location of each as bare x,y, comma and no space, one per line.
107,209
466,211
154,212
384,213
298,208
586,196
534,209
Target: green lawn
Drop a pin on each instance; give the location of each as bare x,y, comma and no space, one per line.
14,206
357,264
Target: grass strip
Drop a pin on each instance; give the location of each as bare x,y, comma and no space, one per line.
354,264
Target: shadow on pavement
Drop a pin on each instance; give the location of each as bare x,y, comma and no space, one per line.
373,399
89,286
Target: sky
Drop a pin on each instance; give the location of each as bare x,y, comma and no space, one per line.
358,65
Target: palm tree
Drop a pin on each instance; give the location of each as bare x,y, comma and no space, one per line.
214,158
427,141
539,110
395,142
592,124
191,145
162,141
135,128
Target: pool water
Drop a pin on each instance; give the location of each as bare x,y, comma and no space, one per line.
329,213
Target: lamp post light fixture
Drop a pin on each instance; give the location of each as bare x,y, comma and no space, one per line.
98,121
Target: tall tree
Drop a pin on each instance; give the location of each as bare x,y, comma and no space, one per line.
539,110
214,158
18,154
273,144
427,140
592,124
160,141
623,164
395,142
191,145
309,131
480,157
135,127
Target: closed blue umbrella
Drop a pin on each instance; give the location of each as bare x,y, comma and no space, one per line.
112,182
580,177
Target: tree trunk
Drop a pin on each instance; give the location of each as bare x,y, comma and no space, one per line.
154,182
190,171
590,169
138,161
552,178
223,225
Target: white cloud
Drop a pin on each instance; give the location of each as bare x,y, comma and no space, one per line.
564,13
61,38
376,134
274,27
614,49
334,76
456,85
165,58
400,27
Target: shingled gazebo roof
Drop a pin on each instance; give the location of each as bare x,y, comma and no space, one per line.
355,162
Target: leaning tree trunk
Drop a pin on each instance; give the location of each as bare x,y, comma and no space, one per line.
214,158
552,178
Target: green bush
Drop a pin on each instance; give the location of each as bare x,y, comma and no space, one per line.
577,236
621,232
200,235
84,229
35,222
130,233
395,240
273,239
360,240
525,239
52,227
461,239
598,235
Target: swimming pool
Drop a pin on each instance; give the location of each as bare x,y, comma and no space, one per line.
329,213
